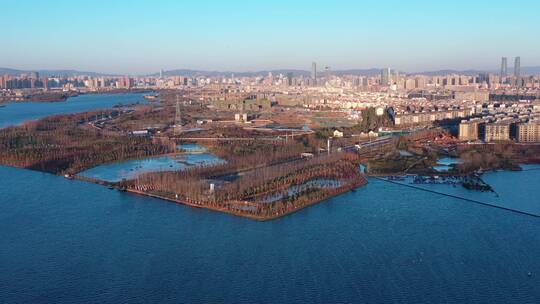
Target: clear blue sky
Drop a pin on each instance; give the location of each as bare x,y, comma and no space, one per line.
134,37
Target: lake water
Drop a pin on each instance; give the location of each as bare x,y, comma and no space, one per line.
19,112
445,164
67,241
512,189
132,168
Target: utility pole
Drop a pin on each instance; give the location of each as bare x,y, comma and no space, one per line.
328,145
178,118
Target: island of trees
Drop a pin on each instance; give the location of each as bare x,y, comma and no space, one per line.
262,192
265,174
68,144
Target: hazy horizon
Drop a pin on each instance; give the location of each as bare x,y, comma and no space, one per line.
140,37
306,69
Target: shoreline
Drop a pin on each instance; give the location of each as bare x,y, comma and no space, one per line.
459,197
114,186
452,174
64,96
250,216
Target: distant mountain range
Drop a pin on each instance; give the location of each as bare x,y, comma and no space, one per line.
50,73
534,70
305,73
191,73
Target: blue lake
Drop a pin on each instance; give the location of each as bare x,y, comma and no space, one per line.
67,241
512,189
445,164
18,112
132,168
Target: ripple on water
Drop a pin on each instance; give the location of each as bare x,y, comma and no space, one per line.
78,242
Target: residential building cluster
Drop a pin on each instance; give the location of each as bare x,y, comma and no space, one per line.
503,122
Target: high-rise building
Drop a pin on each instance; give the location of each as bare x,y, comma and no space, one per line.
365,81
483,77
517,70
421,82
529,132
314,73
395,77
290,79
517,67
504,69
498,131
270,78
468,130
123,82
385,76
410,84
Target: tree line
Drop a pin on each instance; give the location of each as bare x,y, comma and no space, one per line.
66,144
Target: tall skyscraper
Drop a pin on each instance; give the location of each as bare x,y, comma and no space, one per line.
289,78
314,73
504,69
385,76
483,77
517,71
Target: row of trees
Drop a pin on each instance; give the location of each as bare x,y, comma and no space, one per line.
486,160
192,185
66,144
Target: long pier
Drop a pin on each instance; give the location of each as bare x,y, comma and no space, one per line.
459,197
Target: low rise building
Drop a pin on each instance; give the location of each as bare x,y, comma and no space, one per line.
472,95
338,133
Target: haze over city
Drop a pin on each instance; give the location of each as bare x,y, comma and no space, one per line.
130,37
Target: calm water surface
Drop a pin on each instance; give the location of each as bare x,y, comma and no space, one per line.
132,168
194,155
78,242
518,190
66,241
19,112
445,164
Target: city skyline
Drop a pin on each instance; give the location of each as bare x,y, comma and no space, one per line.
310,72
137,38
